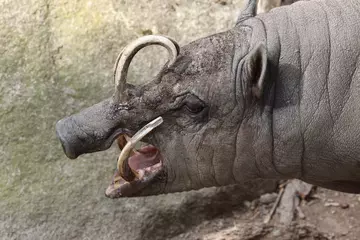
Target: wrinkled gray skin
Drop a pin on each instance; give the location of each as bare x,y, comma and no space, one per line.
280,95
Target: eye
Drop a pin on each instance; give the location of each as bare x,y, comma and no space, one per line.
194,105
194,108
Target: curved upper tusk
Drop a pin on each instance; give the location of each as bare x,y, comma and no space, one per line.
127,54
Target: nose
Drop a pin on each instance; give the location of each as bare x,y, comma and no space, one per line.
66,138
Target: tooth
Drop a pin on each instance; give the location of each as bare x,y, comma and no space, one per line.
127,138
131,144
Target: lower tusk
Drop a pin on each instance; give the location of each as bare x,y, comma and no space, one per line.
127,138
131,143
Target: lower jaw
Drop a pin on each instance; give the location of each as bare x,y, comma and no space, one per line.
120,188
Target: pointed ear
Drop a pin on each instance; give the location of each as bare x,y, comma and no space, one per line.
248,12
255,69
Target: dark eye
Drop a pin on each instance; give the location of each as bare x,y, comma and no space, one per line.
194,106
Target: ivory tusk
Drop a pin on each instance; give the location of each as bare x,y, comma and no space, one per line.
125,57
133,141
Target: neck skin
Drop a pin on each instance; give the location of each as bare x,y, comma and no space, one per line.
303,128
314,64
276,138
284,99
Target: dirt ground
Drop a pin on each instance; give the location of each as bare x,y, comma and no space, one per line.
324,214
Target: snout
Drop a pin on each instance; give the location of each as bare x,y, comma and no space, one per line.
91,130
95,128
69,141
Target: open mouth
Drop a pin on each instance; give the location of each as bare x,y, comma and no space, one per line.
137,165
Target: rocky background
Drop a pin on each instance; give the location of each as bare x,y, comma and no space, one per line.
56,57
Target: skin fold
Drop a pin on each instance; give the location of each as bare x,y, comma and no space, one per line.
275,97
